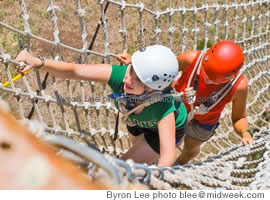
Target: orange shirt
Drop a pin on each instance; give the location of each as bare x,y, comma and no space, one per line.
204,91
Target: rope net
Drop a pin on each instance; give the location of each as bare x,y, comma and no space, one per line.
95,31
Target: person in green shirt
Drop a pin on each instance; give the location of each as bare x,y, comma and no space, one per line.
156,119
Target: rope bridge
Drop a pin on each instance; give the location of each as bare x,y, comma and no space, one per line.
91,32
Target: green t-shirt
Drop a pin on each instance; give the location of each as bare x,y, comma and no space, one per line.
150,115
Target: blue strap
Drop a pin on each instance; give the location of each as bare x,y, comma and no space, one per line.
209,127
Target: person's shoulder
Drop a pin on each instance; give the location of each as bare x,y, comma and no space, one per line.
186,58
243,84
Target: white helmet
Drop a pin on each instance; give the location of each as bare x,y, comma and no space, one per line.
156,66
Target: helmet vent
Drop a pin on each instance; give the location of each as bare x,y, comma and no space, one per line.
165,80
155,78
165,74
142,49
227,77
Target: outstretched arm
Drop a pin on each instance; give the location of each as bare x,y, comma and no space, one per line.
166,129
91,72
239,119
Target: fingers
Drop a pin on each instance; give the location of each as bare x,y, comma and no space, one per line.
247,140
244,142
26,68
26,58
121,56
124,58
250,140
19,58
120,59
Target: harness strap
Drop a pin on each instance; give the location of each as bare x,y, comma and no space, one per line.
154,97
228,87
191,91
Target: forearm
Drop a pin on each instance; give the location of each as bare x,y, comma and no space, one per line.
166,128
239,119
240,126
90,72
59,68
167,158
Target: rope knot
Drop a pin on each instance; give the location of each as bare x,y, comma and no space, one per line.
51,8
141,6
200,110
5,58
190,95
80,12
123,5
157,14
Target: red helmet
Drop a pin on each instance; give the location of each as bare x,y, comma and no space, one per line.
222,61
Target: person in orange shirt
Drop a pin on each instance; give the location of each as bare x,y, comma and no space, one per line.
210,80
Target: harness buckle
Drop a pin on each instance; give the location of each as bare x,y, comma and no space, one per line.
200,110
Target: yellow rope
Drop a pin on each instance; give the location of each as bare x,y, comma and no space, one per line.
16,78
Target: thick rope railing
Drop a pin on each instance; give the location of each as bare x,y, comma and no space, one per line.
218,172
